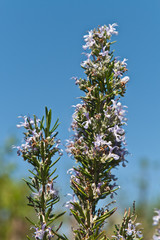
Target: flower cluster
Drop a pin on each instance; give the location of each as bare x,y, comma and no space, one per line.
100,62
50,192
34,138
43,232
108,142
130,232
98,144
156,222
129,228
99,108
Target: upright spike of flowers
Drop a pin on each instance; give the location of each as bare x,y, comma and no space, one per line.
39,148
98,144
129,229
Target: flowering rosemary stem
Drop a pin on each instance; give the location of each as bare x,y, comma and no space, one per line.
98,144
39,148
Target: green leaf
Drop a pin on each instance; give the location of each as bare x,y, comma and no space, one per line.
30,185
52,173
60,236
30,221
88,216
34,174
55,162
75,214
85,172
28,237
49,119
42,123
53,202
99,237
55,126
102,218
54,178
79,188
54,218
78,208
110,191
46,111
42,150
48,213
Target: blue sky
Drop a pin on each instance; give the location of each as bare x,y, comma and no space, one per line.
40,50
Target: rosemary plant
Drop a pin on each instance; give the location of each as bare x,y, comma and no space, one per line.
39,148
98,144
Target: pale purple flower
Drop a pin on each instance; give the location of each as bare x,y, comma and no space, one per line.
156,218
58,142
99,141
119,110
70,171
139,234
78,106
117,73
18,149
119,67
69,203
121,152
75,179
25,123
25,146
124,62
98,189
88,37
132,230
39,233
101,31
60,152
89,40
125,79
107,115
119,237
38,194
74,175
118,133
74,115
111,29
50,189
36,136
86,62
104,53
77,81
86,123
70,146
113,155
156,237
49,233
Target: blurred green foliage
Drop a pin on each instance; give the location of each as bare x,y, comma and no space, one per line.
13,202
